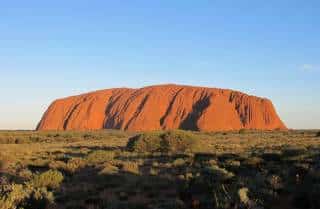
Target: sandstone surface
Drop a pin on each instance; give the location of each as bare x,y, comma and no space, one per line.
162,107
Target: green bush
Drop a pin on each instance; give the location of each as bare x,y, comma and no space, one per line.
74,164
109,169
291,152
179,141
39,198
243,195
178,162
218,174
70,167
233,163
253,162
130,167
146,142
24,196
51,179
25,174
57,165
169,141
243,131
100,156
275,182
153,171
11,195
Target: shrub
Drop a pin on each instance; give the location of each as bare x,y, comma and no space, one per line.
24,196
51,179
179,162
233,163
218,174
253,162
130,167
109,169
204,157
57,165
243,131
153,172
39,198
189,175
69,167
40,163
271,156
155,164
275,182
12,195
170,141
243,195
179,141
291,152
74,164
146,142
25,174
100,156
318,134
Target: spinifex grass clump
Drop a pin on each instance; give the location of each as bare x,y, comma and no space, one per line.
100,156
35,193
50,179
13,196
169,141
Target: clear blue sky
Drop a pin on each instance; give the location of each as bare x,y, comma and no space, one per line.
52,49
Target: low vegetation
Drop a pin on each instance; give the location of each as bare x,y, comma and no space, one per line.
50,179
170,141
27,137
31,194
100,156
164,170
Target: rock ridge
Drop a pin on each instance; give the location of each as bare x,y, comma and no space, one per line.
162,107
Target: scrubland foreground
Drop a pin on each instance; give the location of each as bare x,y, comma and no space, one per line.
169,170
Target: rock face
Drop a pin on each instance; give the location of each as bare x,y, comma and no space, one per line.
162,107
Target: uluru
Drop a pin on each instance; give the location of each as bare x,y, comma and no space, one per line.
162,107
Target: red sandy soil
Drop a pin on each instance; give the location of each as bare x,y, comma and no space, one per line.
160,108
